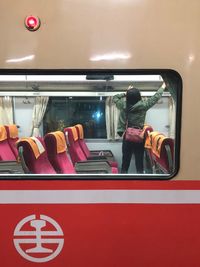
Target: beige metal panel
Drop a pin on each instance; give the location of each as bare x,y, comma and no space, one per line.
143,33
74,32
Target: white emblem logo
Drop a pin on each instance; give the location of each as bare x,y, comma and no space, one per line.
33,244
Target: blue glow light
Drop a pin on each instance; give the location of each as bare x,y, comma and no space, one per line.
97,115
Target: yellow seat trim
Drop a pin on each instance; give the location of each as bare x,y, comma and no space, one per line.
80,128
60,141
3,133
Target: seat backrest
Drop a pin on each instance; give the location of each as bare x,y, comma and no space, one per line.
12,134
35,159
164,155
167,155
81,140
5,151
57,152
75,150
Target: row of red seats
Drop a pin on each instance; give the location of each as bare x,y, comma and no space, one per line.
160,150
78,149
48,155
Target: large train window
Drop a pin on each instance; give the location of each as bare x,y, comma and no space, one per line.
103,124
88,111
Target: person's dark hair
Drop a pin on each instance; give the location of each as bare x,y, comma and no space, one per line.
132,97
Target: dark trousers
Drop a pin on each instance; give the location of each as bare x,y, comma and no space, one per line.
128,149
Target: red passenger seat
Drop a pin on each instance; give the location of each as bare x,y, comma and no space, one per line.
56,150
33,156
6,154
97,154
163,154
162,151
75,150
12,134
85,148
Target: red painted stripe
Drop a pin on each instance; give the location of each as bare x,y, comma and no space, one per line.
95,184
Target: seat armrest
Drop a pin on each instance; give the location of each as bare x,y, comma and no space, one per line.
12,167
23,163
92,167
97,158
106,153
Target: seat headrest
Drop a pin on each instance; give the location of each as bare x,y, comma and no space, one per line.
80,130
12,131
149,139
157,144
60,141
36,148
74,133
3,133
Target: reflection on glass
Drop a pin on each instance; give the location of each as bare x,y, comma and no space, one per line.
63,112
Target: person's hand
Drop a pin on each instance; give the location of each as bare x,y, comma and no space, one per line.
130,87
163,85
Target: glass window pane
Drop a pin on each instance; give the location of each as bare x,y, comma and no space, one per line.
39,113
63,112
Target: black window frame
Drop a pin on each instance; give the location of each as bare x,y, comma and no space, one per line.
115,177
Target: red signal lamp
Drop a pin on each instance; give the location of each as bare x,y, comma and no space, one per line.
32,23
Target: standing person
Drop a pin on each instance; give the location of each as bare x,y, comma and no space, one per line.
132,114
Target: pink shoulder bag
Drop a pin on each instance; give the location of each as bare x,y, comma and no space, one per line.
134,134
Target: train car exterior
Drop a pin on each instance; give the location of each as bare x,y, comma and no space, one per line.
105,220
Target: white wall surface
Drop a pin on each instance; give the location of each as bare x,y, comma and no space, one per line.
23,115
158,116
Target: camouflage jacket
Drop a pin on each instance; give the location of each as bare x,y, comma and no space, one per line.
137,113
